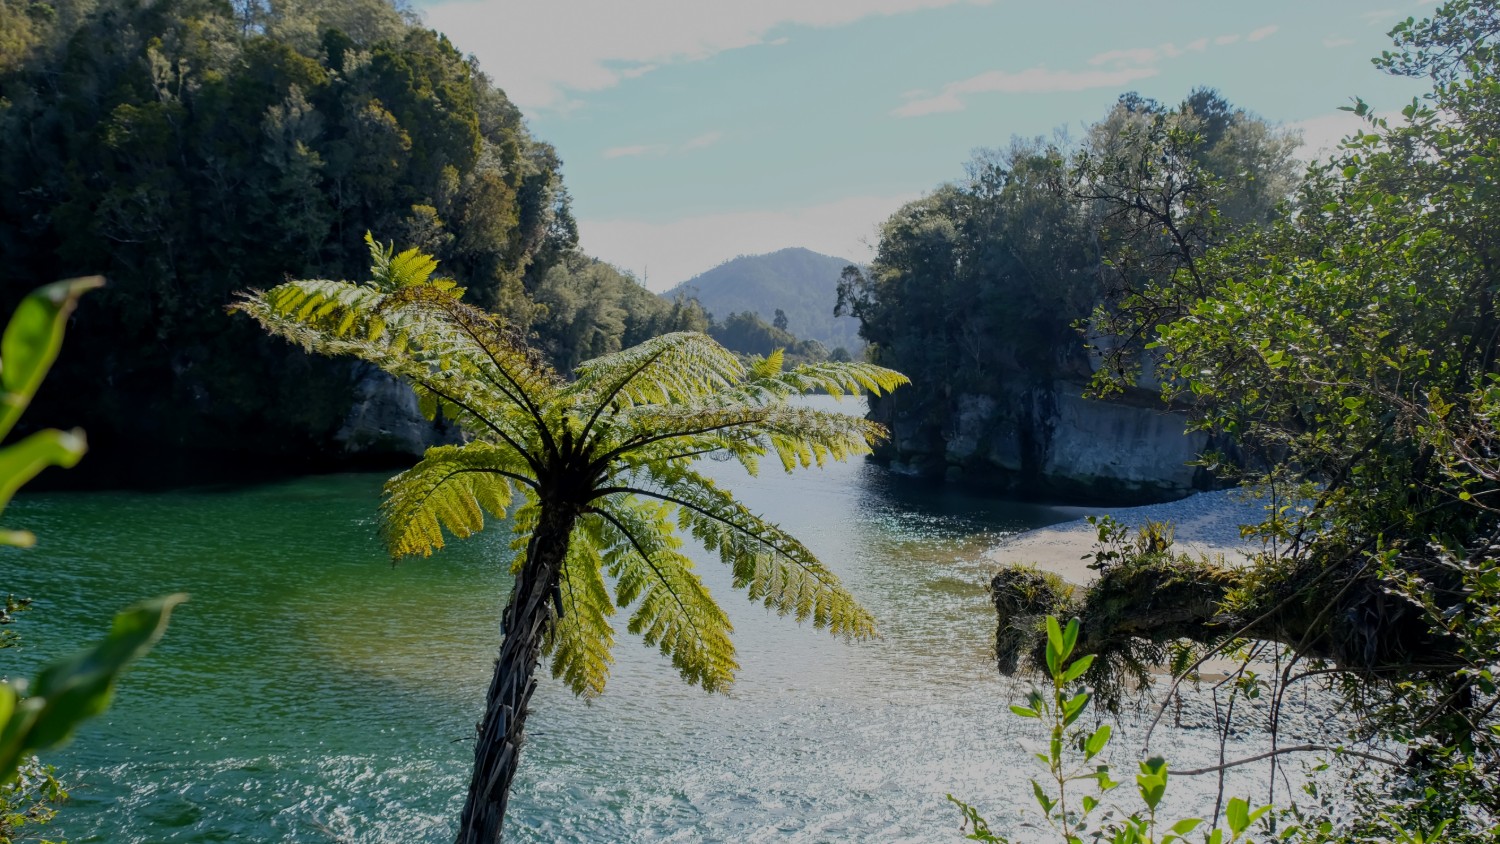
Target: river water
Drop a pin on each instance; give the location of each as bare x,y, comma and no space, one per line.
310,691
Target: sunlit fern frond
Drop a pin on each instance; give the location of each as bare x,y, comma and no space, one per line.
451,488
673,611
462,336
766,383
580,638
800,436
774,566
335,308
672,368
390,272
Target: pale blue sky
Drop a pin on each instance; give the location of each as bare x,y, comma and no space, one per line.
695,130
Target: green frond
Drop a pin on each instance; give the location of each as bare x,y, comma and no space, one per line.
461,361
778,570
670,369
580,639
451,487
832,377
334,308
673,610
390,272
800,436
768,366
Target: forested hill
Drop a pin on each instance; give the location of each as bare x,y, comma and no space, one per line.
801,283
191,149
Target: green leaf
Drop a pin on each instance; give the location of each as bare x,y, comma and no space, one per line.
22,461
1096,741
70,691
1023,711
1078,667
32,340
1238,815
1186,825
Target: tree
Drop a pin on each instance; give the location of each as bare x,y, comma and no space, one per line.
1350,349
593,472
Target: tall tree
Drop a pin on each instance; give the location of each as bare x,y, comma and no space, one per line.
594,473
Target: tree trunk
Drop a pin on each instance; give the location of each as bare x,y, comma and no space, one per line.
497,751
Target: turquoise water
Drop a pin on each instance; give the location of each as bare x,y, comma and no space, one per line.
312,692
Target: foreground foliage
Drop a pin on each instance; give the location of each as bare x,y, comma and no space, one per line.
44,713
1074,755
596,475
1351,352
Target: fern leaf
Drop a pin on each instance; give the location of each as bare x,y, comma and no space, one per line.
673,611
580,639
451,488
770,563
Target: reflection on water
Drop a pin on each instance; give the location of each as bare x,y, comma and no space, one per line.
312,692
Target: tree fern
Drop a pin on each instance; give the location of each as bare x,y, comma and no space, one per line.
595,476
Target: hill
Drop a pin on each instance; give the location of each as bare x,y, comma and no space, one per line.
799,281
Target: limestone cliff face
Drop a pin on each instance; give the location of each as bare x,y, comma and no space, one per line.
384,419
1045,440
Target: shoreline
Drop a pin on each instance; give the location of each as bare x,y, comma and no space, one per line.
1205,523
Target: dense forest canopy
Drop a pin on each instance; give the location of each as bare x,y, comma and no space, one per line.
982,282
192,148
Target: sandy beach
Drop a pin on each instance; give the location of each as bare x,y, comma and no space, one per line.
1205,523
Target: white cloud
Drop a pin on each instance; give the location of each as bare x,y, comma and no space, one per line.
539,52
668,253
1374,18
1126,66
1036,80
1138,55
635,150
707,139
1337,41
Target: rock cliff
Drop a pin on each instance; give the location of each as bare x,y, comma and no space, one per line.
1043,439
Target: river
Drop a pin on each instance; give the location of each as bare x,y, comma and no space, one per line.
310,691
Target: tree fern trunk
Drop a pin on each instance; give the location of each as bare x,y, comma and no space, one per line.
497,752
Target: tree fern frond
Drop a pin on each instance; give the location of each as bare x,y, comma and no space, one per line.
390,272
673,610
769,366
580,639
777,569
832,377
337,308
672,368
799,435
452,487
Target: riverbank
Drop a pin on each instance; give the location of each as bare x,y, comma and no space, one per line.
1205,523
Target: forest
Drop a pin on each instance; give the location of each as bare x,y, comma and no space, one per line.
190,149
336,175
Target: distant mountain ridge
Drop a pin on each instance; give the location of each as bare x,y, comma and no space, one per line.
801,282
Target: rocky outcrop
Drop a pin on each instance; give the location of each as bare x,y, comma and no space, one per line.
384,419
1045,440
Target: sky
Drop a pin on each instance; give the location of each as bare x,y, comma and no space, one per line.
694,131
